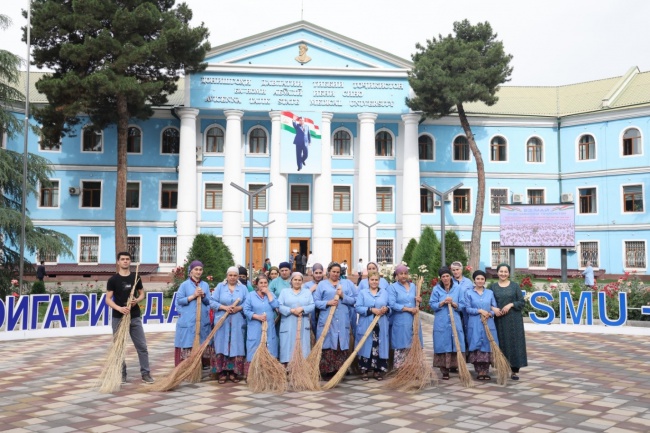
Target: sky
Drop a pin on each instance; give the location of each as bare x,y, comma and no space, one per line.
553,42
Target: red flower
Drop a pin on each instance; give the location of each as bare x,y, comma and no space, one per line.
549,279
15,295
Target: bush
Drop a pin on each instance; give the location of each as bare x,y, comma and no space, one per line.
408,252
426,256
38,288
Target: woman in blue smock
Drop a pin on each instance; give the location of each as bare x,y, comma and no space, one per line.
295,302
402,303
260,307
372,302
318,273
479,303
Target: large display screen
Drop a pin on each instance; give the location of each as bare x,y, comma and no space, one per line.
541,226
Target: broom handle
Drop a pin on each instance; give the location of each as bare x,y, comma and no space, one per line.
453,328
220,322
135,283
197,322
298,330
265,327
416,316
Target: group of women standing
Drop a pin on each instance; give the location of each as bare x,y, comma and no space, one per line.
306,307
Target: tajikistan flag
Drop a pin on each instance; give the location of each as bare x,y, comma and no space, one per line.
286,120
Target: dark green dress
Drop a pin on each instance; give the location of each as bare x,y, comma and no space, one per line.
510,328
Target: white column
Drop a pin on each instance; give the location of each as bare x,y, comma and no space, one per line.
322,200
186,208
366,196
410,208
232,198
277,232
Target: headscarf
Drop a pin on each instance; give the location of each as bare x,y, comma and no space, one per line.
373,263
477,273
503,264
456,265
193,265
284,265
232,269
444,270
401,268
273,268
294,275
316,267
242,271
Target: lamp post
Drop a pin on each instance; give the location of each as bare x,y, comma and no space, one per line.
369,227
264,226
251,195
442,195
23,235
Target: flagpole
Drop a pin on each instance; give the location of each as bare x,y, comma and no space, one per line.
23,236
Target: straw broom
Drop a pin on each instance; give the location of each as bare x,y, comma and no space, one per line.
499,360
344,368
463,371
299,369
265,373
314,356
110,378
195,376
183,370
415,373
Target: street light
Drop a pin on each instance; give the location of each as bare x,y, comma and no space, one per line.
250,195
369,227
264,226
23,222
443,195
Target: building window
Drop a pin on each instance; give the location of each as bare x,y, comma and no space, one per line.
341,198
467,246
633,198
586,148
50,194
259,201
426,201
257,141
213,196
384,199
91,194
587,200
169,195
134,140
92,140
425,148
342,144
43,144
635,254
632,142
132,195
535,196
461,148
47,257
89,249
498,196
133,247
499,255
300,197
589,253
167,251
383,144
461,201
534,150
385,251
536,257
171,141
214,140
498,149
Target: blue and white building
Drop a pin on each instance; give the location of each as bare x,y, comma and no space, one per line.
583,143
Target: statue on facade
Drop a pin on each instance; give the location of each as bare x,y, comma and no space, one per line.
302,54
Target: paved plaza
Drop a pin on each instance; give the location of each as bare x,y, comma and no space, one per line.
574,383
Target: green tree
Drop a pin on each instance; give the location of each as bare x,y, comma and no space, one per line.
427,252
224,258
9,95
454,250
112,61
408,252
457,69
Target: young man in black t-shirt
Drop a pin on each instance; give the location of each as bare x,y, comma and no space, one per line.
118,290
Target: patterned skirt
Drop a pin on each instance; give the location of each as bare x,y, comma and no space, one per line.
221,362
182,353
331,360
445,360
374,362
399,357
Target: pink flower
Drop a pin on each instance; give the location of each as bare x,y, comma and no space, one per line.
468,268
209,278
15,295
14,282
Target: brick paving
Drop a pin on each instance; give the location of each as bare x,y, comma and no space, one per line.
574,383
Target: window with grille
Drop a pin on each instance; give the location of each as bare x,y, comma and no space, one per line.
257,141
586,148
383,144
535,196
384,199
171,141
169,195
632,142
426,201
385,251
534,150
91,194
134,140
47,257
587,200
259,201
214,140
589,253
498,196
89,249
91,140
536,257
213,196
498,149
635,255
499,255
133,247
461,148
461,201
132,195
167,251
300,197
341,198
49,196
342,144
633,198
425,148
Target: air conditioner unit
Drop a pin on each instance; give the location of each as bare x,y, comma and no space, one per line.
74,190
567,197
199,154
517,198
437,203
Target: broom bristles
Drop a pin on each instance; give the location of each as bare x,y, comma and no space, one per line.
501,363
183,370
314,356
195,376
463,372
265,373
299,369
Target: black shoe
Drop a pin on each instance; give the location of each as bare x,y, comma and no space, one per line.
453,370
147,379
123,378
